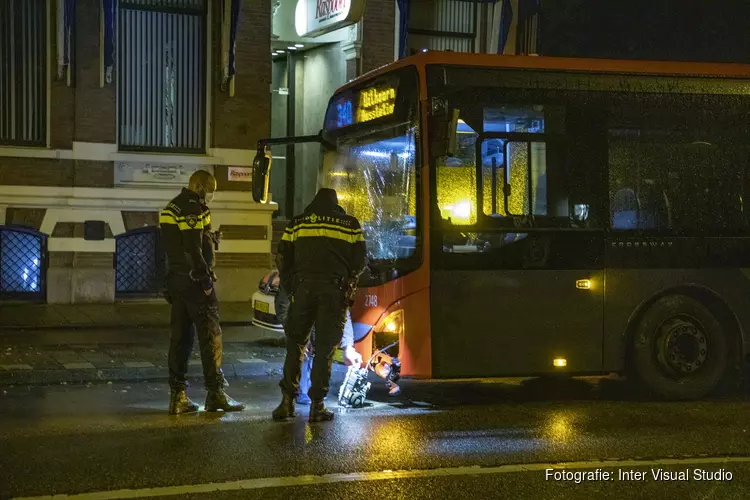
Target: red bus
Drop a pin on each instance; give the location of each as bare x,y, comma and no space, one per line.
529,215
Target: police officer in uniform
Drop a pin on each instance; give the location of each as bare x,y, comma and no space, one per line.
320,258
189,244
351,356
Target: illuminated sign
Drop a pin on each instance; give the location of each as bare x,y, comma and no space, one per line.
353,107
317,17
344,114
376,103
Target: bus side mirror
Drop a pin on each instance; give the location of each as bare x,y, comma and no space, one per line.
261,175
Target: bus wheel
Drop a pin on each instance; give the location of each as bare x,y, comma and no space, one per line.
679,350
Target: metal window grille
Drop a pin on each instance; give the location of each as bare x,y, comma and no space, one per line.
22,263
162,75
140,263
443,25
23,72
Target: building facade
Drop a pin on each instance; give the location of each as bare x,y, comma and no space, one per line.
108,106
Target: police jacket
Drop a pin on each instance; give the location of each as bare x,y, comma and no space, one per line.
323,241
185,226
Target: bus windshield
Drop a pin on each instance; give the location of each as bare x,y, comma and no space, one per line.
373,167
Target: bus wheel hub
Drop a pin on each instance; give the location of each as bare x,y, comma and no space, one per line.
684,346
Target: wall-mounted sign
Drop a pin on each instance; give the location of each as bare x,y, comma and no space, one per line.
318,17
240,174
136,173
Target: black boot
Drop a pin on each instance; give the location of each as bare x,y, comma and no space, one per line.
219,400
319,412
286,409
180,403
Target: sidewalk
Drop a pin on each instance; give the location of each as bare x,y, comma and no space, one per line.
100,316
45,344
103,363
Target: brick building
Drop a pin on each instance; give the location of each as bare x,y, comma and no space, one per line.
89,154
107,107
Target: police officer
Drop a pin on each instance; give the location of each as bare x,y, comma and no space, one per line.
189,244
320,258
351,356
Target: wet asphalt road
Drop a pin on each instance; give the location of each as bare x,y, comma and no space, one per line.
77,439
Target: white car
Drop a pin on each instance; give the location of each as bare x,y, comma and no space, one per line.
264,303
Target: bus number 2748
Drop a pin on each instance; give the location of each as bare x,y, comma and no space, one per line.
371,301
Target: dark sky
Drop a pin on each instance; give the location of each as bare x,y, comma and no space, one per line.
681,30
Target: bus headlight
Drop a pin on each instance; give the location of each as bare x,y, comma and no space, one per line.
393,324
388,332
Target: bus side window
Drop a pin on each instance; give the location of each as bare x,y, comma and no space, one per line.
456,179
516,185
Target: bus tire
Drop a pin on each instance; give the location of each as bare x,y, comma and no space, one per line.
679,349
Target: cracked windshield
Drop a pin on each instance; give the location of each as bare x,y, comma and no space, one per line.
375,178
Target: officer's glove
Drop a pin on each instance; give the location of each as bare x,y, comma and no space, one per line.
204,281
213,276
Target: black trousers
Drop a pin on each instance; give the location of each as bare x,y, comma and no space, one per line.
320,303
194,312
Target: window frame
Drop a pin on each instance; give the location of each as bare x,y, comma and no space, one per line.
206,87
45,87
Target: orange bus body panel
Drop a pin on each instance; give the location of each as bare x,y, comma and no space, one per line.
411,292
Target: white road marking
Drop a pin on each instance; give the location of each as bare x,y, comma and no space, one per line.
17,367
252,360
287,481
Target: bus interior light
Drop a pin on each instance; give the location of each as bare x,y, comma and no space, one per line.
583,284
560,362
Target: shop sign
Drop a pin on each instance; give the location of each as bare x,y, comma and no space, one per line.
318,17
241,174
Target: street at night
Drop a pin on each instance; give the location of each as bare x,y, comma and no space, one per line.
466,439
509,234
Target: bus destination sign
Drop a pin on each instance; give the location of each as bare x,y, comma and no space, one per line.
362,106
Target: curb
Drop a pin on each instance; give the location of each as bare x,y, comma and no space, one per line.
100,326
123,374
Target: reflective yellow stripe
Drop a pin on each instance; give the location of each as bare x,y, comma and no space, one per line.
168,218
322,233
324,226
205,217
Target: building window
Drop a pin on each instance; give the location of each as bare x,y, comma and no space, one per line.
162,75
442,25
23,72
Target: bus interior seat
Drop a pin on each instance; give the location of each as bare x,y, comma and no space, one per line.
625,209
